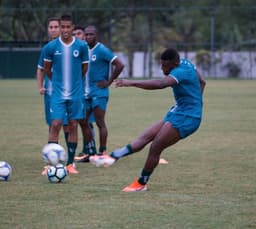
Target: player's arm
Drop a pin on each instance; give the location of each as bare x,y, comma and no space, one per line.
201,80
40,80
167,81
118,68
84,69
48,68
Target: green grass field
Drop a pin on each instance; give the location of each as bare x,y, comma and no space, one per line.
209,181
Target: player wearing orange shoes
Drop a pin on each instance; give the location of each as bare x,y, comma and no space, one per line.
181,120
65,63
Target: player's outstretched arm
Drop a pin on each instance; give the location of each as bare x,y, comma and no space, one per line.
146,84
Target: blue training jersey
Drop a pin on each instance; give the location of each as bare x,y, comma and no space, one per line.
47,82
67,60
187,91
99,67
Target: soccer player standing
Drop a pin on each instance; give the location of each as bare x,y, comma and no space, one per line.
181,120
97,85
65,63
89,147
43,83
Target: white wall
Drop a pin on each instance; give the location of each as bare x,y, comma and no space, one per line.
246,61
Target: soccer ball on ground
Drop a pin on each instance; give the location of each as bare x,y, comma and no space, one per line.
56,173
5,171
53,154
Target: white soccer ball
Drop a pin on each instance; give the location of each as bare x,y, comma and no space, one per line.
54,153
5,171
56,173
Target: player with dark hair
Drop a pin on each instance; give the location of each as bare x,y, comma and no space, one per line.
78,32
65,63
97,89
43,83
181,120
88,149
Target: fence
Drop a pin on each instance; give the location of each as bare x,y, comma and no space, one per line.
22,63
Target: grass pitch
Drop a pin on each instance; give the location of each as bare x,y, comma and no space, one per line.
208,183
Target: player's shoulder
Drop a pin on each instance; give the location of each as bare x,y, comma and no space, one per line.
186,63
103,48
51,43
79,41
54,41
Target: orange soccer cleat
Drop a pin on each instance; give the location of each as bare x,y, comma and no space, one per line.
135,187
71,169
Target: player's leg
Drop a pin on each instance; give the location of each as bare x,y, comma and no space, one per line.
137,145
53,137
65,128
54,131
140,142
176,127
89,146
99,111
166,137
72,145
66,133
75,113
57,115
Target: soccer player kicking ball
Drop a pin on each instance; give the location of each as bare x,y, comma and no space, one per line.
180,121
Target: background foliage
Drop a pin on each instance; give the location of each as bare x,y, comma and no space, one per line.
136,24
145,25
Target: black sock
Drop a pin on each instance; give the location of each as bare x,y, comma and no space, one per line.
144,177
71,152
49,142
102,149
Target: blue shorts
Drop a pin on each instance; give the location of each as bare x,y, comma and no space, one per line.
67,110
186,125
47,108
93,102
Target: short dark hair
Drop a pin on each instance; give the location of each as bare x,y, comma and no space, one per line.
92,27
79,27
170,54
66,17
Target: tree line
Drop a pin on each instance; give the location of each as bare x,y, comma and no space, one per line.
138,25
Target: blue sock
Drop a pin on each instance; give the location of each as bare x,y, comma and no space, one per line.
122,152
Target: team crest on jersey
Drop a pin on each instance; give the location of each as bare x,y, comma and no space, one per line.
94,57
75,53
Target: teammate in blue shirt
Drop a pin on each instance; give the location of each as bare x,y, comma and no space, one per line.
65,63
43,83
97,82
181,120
88,147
